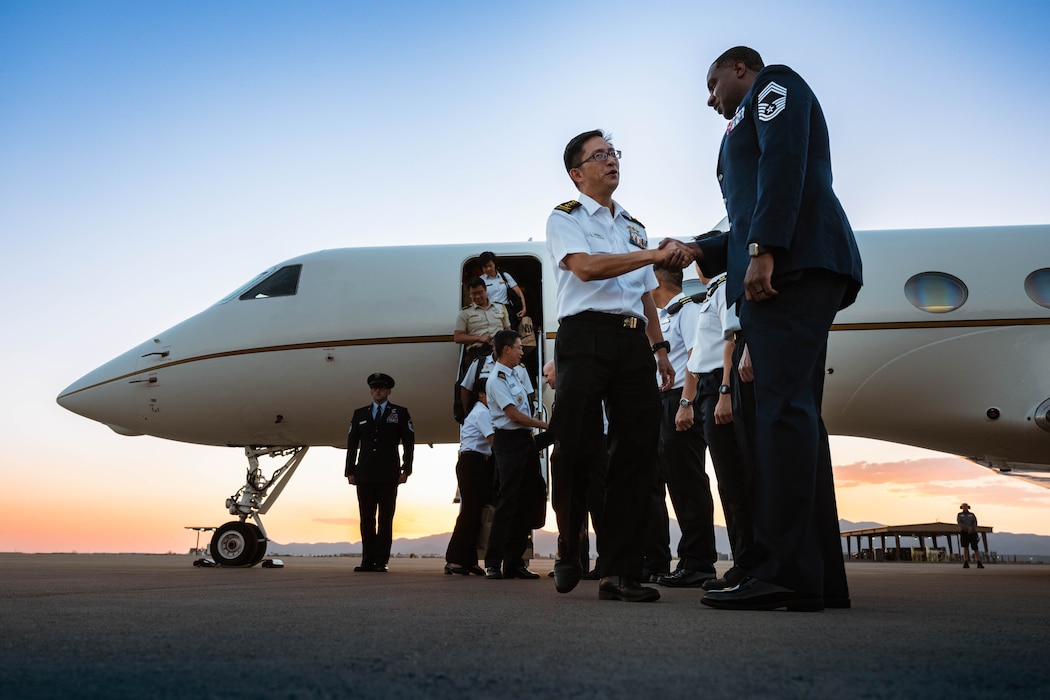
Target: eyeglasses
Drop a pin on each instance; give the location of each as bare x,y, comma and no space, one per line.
602,156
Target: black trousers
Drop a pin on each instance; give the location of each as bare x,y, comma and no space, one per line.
474,472
599,360
593,501
376,505
683,466
518,467
732,466
796,517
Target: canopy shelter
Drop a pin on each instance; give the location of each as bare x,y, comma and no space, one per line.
921,553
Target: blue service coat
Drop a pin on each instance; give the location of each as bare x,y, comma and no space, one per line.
774,168
378,461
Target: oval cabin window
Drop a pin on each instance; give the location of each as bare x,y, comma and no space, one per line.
935,292
1037,287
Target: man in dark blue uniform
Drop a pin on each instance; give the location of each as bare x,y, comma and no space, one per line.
792,256
377,471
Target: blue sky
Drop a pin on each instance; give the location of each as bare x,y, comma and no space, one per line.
154,156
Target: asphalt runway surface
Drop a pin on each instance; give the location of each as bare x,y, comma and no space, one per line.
123,626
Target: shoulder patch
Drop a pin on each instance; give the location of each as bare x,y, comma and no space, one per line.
501,375
771,102
567,207
631,218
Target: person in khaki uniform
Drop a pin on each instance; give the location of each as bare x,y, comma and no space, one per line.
478,322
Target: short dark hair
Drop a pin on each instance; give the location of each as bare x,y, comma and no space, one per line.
503,339
673,277
749,56
479,386
476,282
574,149
486,257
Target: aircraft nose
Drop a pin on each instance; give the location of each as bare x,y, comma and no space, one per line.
105,395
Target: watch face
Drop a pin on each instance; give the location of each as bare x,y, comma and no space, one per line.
724,389
684,402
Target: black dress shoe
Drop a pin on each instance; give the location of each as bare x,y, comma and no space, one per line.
520,572
591,575
732,577
493,572
476,570
625,589
840,603
451,568
566,576
685,578
380,568
752,594
364,567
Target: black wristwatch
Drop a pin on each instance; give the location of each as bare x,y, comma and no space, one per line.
724,389
662,344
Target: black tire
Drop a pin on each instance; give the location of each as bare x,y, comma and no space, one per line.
260,548
235,544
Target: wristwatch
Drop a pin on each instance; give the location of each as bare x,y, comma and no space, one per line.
724,389
754,250
685,403
662,344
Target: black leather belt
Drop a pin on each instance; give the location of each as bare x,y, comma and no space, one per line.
604,319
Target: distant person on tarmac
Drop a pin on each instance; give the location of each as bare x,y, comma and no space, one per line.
968,536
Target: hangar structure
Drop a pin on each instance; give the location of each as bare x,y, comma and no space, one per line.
922,532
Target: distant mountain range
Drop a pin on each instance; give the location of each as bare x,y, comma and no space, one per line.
545,544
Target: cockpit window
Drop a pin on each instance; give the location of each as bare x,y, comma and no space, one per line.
271,283
282,283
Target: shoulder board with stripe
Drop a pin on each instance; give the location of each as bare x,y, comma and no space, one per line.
631,218
567,207
715,283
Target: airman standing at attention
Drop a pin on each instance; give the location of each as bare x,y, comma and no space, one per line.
377,470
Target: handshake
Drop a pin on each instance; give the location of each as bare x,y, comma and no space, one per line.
674,255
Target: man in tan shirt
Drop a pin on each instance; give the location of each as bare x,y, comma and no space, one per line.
478,322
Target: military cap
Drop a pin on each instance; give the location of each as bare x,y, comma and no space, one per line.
379,379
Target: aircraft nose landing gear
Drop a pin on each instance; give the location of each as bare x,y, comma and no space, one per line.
238,544
241,543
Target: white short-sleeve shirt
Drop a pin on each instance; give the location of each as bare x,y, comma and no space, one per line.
593,229
497,289
503,390
709,342
476,429
679,329
486,370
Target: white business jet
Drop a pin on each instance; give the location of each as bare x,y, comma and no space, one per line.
947,348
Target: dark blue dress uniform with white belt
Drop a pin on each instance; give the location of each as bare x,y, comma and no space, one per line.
774,168
372,459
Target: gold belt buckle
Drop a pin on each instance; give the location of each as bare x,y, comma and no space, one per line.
630,322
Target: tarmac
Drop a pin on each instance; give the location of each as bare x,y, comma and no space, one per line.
123,626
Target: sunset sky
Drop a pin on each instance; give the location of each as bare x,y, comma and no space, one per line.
155,156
